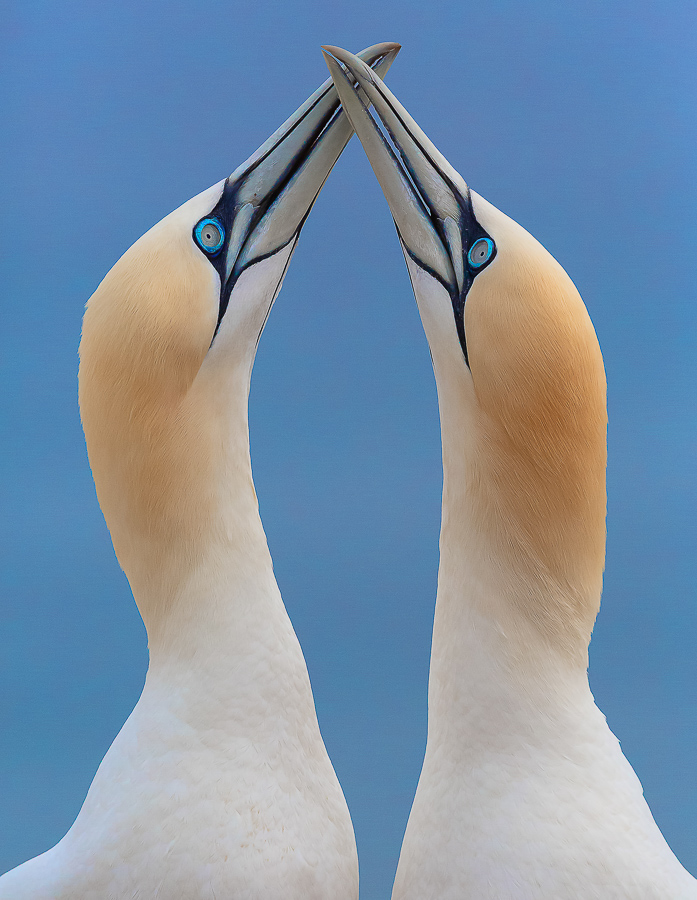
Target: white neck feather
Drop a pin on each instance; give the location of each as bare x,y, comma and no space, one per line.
223,622
174,479
488,661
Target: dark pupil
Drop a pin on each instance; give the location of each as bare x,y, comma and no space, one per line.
480,252
211,235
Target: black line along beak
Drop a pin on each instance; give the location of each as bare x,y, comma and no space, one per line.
266,200
429,200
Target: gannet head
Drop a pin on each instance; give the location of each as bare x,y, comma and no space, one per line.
169,339
520,376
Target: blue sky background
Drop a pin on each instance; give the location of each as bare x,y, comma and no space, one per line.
575,118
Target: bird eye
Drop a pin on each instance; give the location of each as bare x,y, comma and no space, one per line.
480,252
210,235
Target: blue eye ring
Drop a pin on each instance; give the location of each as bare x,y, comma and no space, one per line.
210,235
475,257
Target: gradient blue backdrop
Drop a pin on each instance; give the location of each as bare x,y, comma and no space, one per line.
575,118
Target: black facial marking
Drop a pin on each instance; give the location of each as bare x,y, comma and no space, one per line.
471,232
230,203
225,210
469,227
264,198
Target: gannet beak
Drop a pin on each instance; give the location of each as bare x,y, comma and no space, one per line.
266,200
429,200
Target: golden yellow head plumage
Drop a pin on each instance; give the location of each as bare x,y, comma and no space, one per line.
538,377
146,332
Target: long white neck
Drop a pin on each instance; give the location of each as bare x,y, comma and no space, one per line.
198,585
522,532
498,674
173,473
494,678
223,653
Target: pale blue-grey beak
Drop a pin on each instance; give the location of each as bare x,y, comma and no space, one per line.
429,200
267,199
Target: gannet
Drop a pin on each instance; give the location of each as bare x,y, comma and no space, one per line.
524,791
219,784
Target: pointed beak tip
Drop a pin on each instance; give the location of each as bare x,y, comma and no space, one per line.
387,48
329,50
337,52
